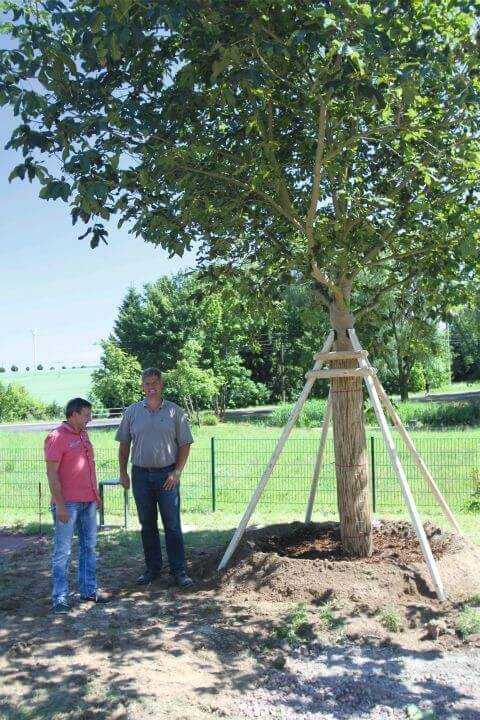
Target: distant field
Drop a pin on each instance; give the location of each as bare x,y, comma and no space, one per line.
53,385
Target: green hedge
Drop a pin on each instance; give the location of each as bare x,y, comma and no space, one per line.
440,414
311,416
412,413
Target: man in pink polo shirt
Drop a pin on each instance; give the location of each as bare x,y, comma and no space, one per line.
73,484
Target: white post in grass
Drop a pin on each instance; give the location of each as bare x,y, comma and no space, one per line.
319,460
273,461
400,473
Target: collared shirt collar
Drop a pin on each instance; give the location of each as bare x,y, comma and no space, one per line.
145,403
66,426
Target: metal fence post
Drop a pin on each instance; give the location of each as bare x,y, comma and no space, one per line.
40,507
372,466
212,464
102,506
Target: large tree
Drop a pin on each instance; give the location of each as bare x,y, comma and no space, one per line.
313,138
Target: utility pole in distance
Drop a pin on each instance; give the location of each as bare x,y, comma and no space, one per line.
34,339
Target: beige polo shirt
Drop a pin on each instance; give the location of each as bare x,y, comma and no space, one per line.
155,435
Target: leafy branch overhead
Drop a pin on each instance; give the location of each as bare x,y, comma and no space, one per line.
308,138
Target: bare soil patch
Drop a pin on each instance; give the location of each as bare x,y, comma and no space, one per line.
15,541
292,629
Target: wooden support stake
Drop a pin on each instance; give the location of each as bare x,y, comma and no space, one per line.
319,460
402,478
272,462
415,454
337,373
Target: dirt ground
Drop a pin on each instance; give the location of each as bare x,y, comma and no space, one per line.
292,629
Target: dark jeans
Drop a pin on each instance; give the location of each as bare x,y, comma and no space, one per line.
148,491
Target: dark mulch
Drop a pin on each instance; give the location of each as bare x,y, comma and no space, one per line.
392,541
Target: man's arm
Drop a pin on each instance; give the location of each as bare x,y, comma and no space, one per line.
123,455
56,490
174,477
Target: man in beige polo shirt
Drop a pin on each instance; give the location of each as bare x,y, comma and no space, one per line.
159,436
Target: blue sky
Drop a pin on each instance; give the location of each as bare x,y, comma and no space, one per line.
53,283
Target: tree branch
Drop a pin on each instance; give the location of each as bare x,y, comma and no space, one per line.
245,186
360,312
323,279
322,121
285,199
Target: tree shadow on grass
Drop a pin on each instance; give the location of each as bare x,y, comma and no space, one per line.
196,648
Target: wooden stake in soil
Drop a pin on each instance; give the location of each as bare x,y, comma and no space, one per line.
400,473
319,460
273,460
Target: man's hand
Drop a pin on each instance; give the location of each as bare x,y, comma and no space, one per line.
125,480
62,514
172,480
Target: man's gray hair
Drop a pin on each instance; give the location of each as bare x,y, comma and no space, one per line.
151,372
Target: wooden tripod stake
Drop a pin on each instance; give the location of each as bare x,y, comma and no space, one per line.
376,393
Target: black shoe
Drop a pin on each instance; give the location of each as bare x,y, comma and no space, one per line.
96,597
147,578
183,581
61,607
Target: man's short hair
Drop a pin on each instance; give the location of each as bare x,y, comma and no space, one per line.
151,372
76,405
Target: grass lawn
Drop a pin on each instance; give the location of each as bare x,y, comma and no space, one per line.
454,387
53,385
240,454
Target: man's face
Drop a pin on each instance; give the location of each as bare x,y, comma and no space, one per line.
82,418
152,386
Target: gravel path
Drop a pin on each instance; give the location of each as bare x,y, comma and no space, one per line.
367,683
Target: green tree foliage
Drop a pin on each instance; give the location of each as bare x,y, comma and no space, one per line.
465,341
117,382
406,341
190,385
154,325
254,355
307,137
16,403
283,339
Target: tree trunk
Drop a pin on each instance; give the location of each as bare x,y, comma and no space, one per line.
403,378
351,467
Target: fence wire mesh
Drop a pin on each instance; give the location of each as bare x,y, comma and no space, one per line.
222,474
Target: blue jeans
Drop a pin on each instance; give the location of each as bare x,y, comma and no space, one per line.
83,517
148,491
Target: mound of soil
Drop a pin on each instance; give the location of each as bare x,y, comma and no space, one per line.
300,562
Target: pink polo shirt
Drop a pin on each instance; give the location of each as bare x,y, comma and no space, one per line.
74,451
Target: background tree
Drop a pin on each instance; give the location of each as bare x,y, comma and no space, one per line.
464,329
155,325
283,339
190,385
16,403
117,382
314,139
406,340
